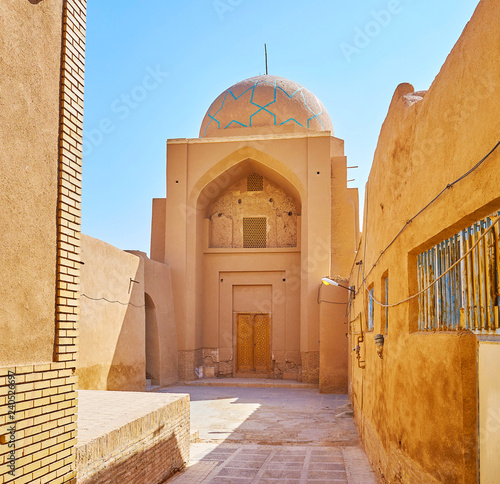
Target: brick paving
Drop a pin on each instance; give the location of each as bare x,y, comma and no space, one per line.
313,437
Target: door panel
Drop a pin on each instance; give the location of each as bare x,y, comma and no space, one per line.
245,342
252,346
261,342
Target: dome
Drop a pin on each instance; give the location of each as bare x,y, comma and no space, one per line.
265,101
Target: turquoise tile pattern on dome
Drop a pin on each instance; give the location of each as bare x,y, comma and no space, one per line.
295,100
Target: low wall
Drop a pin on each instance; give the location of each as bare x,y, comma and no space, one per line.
126,437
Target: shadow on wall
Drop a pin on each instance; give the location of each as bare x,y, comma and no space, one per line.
152,342
128,366
112,323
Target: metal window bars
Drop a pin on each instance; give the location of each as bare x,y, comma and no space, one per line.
469,295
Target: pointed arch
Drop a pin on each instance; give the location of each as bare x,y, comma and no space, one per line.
241,163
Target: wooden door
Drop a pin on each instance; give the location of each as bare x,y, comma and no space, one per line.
252,346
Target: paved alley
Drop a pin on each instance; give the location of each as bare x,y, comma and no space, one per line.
246,435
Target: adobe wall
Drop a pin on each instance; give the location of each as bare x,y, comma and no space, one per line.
41,116
112,329
29,137
417,407
161,331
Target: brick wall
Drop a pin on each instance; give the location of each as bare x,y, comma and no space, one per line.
144,451
45,399
45,423
310,367
70,180
189,361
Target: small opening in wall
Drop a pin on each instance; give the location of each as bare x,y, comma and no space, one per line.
219,215
239,201
222,280
255,183
284,280
290,214
176,181
317,173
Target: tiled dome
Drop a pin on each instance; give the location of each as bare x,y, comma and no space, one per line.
265,101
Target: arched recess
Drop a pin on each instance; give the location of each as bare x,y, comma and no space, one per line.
152,342
237,165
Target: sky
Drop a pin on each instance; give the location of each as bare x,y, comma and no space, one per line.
153,69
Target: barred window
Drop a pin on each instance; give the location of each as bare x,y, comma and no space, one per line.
468,295
255,232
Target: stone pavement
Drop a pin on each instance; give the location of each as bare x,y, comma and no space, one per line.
258,435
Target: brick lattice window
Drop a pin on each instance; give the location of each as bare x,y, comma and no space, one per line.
255,233
255,183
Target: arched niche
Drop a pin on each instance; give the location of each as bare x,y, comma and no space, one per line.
254,212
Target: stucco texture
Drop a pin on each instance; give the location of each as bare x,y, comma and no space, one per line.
161,332
29,133
417,407
112,328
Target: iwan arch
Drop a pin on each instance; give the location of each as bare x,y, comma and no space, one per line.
257,212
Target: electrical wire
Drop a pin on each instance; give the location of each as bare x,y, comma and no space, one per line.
483,235
408,222
112,302
329,302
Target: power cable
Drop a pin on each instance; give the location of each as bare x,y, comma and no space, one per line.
483,235
112,302
408,222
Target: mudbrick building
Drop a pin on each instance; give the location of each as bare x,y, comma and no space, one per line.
261,212
257,213
426,275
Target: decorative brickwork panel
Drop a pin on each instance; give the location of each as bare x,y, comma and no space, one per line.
255,183
255,233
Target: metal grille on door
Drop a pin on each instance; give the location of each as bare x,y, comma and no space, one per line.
253,342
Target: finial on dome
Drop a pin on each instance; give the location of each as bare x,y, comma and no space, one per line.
267,70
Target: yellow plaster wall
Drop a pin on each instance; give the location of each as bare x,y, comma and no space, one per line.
29,130
417,408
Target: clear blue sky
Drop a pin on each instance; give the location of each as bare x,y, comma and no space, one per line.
198,48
